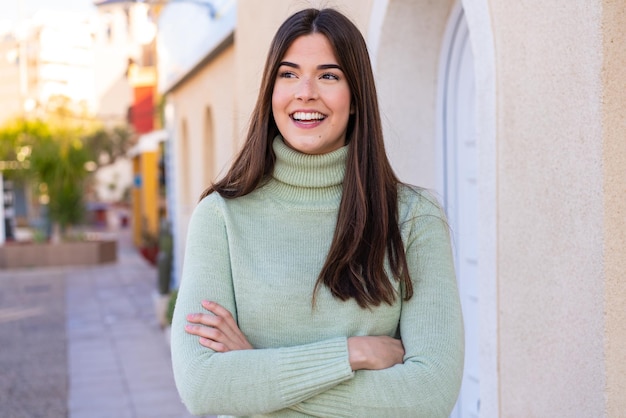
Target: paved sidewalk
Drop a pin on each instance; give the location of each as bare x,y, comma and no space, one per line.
118,359
84,342
33,357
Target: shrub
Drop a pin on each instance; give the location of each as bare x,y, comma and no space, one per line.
170,306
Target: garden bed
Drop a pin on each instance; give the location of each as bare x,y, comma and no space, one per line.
17,255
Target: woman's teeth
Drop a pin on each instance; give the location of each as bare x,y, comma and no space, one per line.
307,116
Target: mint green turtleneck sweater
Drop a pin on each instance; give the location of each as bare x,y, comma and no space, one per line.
259,256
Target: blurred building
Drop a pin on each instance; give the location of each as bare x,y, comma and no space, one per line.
48,56
129,34
514,114
101,65
48,62
131,26
84,57
11,102
148,194
197,76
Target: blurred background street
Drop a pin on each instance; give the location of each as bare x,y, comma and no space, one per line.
115,116
85,342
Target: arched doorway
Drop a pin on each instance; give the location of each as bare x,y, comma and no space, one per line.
411,77
459,189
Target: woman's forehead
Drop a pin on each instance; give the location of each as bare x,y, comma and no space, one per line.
310,47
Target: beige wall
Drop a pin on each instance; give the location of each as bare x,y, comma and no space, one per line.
209,91
614,187
558,235
407,68
202,125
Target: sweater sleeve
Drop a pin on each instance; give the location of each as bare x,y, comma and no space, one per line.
243,382
427,383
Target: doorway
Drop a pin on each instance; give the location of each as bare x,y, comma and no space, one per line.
459,189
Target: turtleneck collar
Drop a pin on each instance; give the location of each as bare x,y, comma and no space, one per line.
308,181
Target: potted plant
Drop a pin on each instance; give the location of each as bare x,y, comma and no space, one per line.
149,248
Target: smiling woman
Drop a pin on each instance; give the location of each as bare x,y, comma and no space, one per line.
314,282
311,98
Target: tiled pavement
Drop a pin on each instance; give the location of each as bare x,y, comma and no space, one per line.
84,342
33,358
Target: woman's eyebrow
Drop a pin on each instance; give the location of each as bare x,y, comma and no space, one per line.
328,66
319,67
289,64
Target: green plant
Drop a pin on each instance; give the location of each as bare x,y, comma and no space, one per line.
164,257
171,304
108,144
56,154
58,162
148,239
39,235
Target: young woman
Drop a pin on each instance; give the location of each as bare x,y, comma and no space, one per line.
315,284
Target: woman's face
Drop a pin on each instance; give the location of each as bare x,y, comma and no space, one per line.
311,97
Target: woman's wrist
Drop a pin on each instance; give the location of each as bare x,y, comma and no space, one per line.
374,352
356,354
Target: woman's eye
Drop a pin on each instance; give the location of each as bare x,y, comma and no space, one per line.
330,76
286,74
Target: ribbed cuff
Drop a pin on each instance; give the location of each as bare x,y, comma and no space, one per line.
308,370
333,403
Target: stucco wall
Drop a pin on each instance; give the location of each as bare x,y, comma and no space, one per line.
550,207
614,185
407,68
210,91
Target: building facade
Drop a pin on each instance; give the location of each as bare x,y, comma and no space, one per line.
514,114
47,57
11,101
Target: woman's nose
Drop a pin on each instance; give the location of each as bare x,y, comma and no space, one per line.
306,90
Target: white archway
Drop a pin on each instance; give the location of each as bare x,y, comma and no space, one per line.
418,151
475,214
482,42
458,186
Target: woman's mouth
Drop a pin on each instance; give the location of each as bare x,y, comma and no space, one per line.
308,117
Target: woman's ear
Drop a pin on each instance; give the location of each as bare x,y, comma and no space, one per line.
352,109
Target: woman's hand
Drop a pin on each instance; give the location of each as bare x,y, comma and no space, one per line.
219,331
374,352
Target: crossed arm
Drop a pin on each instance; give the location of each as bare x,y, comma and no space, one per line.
218,371
219,332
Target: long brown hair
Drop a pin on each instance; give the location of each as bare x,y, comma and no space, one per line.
367,231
